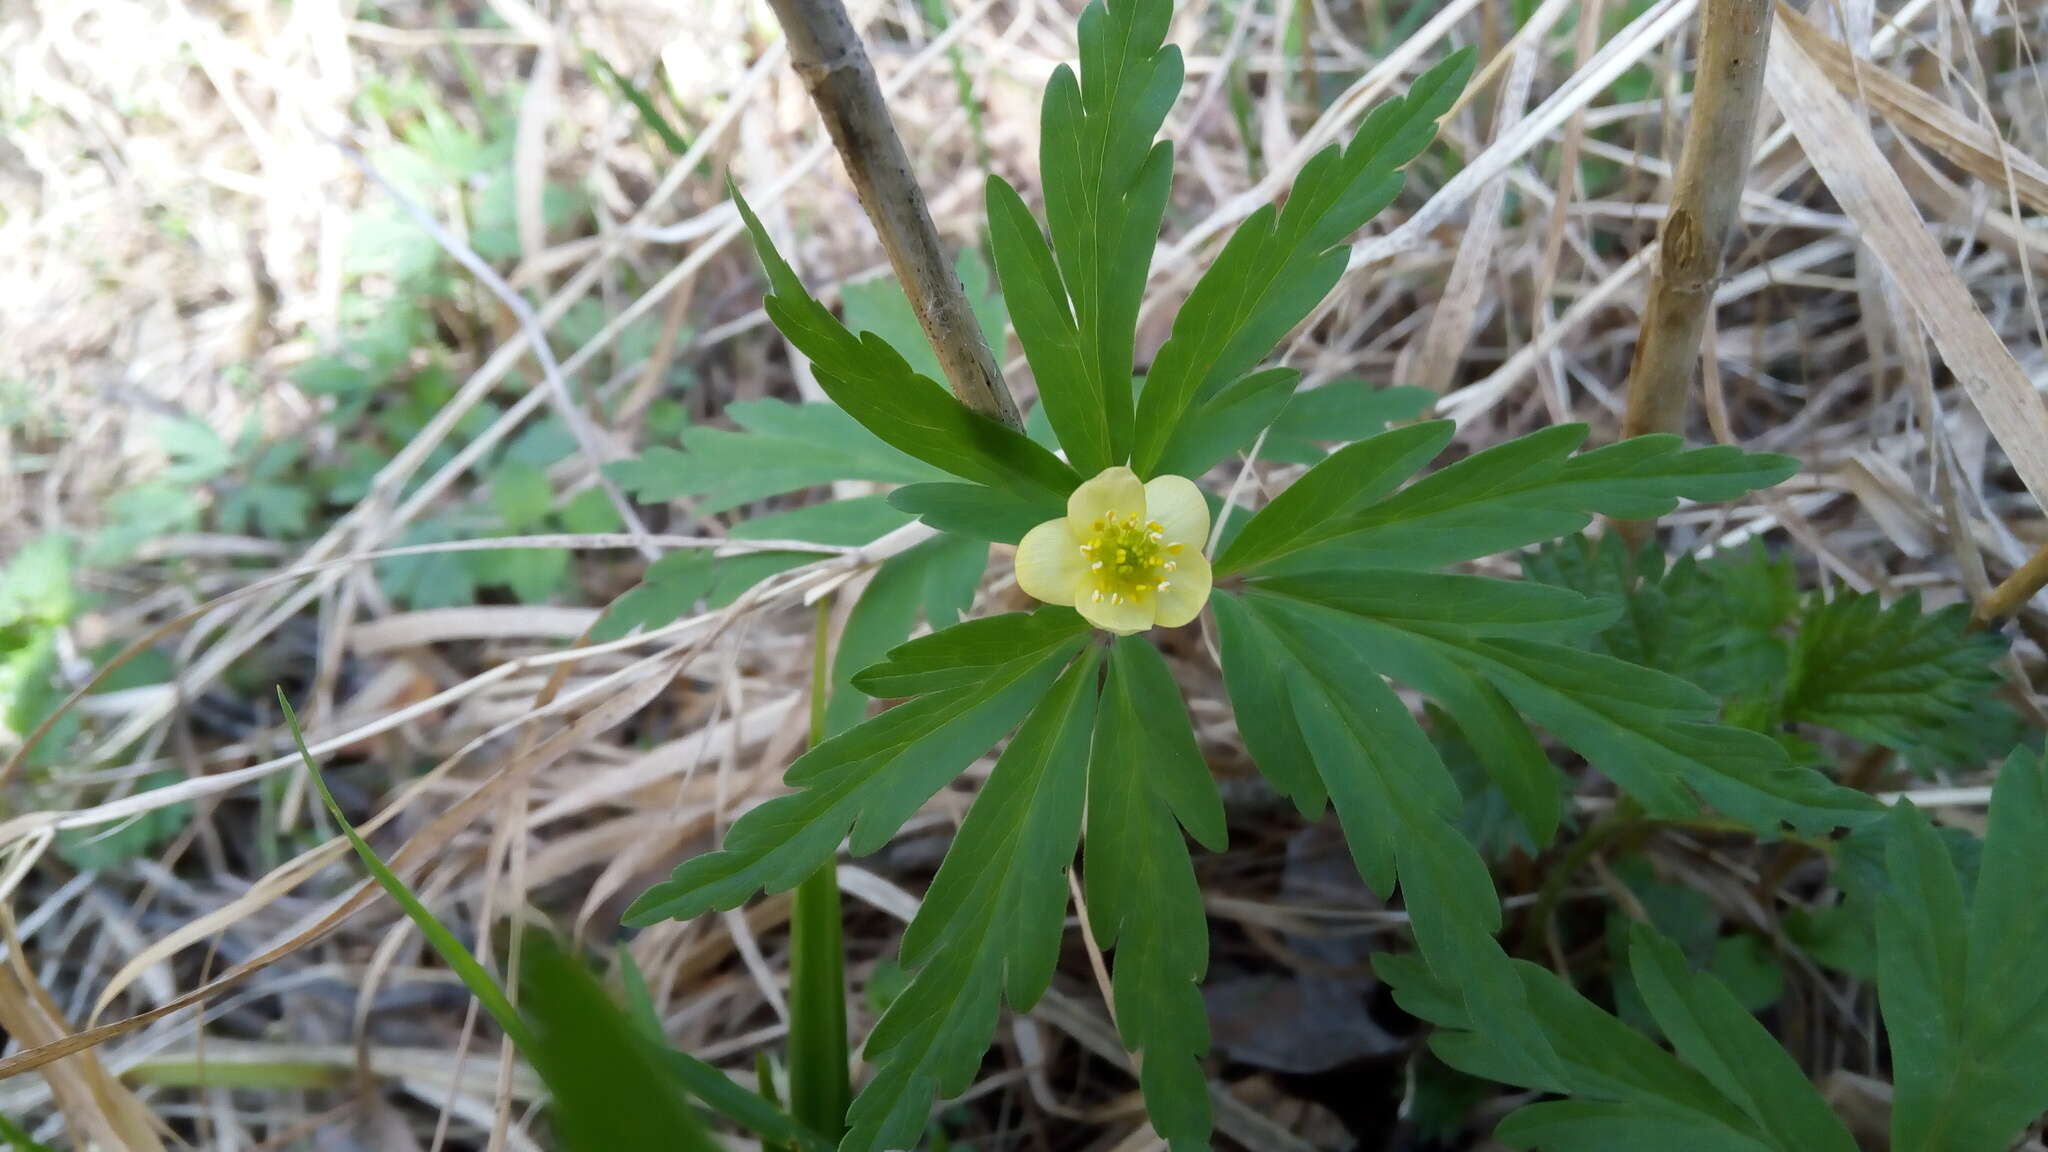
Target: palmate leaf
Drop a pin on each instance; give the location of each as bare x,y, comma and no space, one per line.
937,580
1395,800
1509,496
780,447
673,586
869,379
1962,985
1146,782
975,511
1729,1086
1652,734
1281,262
974,681
1105,192
989,927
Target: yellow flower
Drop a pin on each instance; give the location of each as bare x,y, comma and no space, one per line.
1127,555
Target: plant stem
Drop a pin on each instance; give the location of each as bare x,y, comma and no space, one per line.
827,53
819,1085
2014,591
1704,197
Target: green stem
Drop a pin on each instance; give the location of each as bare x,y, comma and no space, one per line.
819,1088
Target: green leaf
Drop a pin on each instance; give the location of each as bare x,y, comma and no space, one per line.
1532,489
1396,801
1921,683
273,511
780,448
1962,986
1654,735
590,512
1315,507
197,452
430,579
472,973
933,578
873,383
868,780
1068,394
38,584
1651,733
1280,263
522,495
1143,900
1259,700
1339,412
1716,1035
673,586
1228,422
650,114
534,575
1105,186
1446,604
965,654
989,927
611,1089
98,849
974,511
1626,1092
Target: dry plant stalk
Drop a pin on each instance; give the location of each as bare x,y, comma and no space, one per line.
1704,198
827,53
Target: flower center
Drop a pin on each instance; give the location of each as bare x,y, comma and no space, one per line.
1128,558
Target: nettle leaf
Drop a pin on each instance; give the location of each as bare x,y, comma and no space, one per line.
1282,261
1512,495
1105,184
1147,781
781,447
1961,983
1728,1086
989,928
1922,683
1721,623
878,388
868,780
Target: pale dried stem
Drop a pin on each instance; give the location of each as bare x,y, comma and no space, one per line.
827,53
1704,199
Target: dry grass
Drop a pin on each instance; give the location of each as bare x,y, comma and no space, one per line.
175,203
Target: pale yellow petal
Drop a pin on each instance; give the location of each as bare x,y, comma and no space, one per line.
1187,589
1114,490
1177,505
1049,563
1119,614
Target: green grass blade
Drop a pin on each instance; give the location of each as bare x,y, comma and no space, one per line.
473,974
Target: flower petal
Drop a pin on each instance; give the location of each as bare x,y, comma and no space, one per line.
1112,490
1177,505
1122,616
1049,563
1187,589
